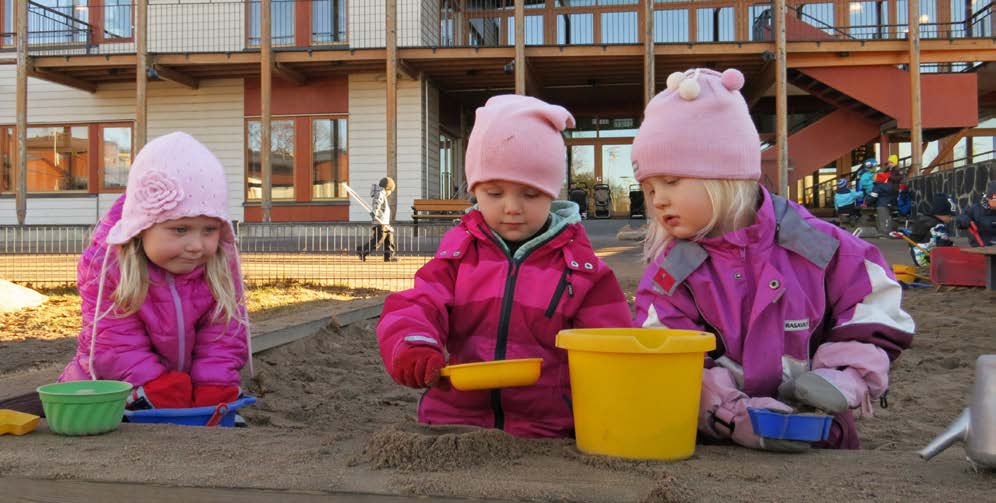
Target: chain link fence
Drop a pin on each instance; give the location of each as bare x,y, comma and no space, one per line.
312,253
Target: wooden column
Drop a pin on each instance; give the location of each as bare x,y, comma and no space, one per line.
266,88
141,75
21,192
391,115
916,129
459,20
520,47
649,77
781,99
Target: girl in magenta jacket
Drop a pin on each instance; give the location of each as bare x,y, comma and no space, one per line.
514,272
163,305
804,313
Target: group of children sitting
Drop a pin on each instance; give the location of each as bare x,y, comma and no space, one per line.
806,315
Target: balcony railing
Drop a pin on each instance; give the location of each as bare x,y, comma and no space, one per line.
230,26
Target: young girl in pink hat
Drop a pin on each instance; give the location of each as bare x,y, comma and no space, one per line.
163,305
804,313
515,271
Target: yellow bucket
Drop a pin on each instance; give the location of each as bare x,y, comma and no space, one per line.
905,273
636,390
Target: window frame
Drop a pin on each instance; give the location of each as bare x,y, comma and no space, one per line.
102,188
311,155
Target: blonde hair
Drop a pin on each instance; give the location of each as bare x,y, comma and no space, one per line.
134,283
734,206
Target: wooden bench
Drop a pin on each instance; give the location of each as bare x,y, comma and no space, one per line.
437,209
990,254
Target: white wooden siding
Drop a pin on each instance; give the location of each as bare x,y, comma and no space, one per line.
368,140
212,114
433,190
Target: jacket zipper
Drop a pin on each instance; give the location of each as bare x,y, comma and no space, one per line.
181,331
564,284
501,344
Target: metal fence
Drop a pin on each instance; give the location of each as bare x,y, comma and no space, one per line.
230,26
313,253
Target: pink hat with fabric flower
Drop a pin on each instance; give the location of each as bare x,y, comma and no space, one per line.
699,127
173,176
517,139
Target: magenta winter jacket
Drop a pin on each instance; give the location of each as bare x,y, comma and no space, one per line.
786,295
173,330
480,305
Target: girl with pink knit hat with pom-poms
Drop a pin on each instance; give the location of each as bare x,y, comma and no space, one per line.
806,316
515,271
163,305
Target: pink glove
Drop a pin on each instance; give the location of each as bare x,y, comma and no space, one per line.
845,375
723,413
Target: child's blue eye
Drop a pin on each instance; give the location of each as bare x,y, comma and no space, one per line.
180,230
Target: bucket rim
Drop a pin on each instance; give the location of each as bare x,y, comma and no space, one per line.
629,340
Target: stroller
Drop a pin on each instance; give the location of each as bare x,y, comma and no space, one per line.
636,205
603,201
579,195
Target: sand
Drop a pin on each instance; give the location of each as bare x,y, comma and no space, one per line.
329,418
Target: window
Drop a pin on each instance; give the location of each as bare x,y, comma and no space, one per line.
281,22
715,25
328,21
6,22
309,158
329,159
671,26
281,160
115,153
88,158
446,188
58,22
117,19
58,159
6,159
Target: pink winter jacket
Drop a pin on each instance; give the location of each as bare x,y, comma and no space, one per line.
173,330
787,295
477,304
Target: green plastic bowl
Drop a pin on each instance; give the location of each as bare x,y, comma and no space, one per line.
84,407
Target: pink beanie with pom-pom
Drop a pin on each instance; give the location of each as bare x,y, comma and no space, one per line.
699,127
517,139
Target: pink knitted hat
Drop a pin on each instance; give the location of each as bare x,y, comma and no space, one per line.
699,127
517,139
173,176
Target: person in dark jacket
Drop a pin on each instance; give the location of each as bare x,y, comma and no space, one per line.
931,230
981,216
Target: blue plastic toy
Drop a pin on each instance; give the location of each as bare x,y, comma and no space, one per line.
802,427
221,415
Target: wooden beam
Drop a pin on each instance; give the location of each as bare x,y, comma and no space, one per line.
649,78
266,96
781,98
916,126
945,147
405,70
289,74
167,73
391,113
141,127
520,47
755,88
61,78
21,177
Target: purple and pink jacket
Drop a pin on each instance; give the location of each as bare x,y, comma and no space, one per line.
477,304
173,330
786,295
